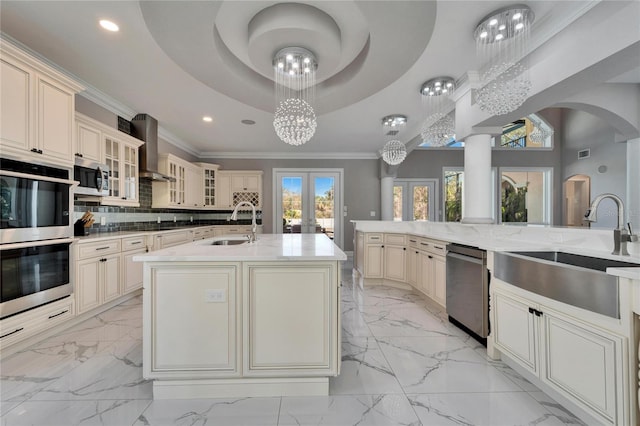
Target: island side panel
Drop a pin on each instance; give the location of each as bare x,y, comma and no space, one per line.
291,318
192,324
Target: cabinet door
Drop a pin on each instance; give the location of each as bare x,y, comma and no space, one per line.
55,120
584,362
15,106
132,271
88,142
194,192
209,187
223,188
111,277
425,277
374,258
87,285
194,312
395,262
360,252
130,172
277,297
252,183
238,183
515,330
412,267
440,280
112,158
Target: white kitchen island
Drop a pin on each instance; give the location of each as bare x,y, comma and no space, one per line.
259,319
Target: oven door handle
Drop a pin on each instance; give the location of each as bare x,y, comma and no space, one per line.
38,177
36,243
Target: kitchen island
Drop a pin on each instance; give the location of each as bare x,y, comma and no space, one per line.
248,319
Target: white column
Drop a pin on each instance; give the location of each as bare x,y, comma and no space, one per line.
477,189
386,198
633,184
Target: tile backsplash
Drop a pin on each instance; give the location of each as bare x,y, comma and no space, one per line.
145,218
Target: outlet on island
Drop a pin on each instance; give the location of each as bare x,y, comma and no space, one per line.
158,219
174,219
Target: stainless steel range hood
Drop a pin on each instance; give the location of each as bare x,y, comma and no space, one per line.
145,127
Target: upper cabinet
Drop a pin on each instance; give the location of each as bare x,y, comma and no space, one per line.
186,192
37,108
209,187
119,151
234,186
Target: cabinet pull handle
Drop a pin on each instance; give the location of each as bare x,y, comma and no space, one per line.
136,242
103,260
57,315
102,248
404,248
430,257
537,313
34,150
13,332
438,247
417,252
424,244
412,241
78,154
382,246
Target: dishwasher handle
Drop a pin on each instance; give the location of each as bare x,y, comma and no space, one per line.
465,258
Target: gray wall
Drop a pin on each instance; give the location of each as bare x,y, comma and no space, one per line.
581,131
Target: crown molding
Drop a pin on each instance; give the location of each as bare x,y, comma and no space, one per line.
293,155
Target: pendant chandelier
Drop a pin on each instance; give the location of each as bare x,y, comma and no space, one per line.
394,152
295,78
502,40
439,126
540,132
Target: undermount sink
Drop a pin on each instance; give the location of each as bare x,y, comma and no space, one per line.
569,278
229,242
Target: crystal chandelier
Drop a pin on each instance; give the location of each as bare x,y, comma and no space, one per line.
394,152
502,40
295,75
439,127
540,132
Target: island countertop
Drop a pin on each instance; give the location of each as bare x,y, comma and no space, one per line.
268,247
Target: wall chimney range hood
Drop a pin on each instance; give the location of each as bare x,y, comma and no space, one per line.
145,128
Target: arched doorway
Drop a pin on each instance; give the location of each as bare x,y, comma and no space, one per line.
577,197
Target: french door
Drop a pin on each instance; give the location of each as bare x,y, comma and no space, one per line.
415,199
308,201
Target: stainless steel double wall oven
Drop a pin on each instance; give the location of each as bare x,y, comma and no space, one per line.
36,231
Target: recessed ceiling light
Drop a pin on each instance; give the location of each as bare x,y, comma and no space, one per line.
248,122
207,119
109,25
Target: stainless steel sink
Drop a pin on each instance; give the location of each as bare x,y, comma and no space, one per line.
569,278
229,242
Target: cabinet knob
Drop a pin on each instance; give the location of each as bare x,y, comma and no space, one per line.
78,154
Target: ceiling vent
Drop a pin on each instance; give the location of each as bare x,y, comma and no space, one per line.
393,132
585,153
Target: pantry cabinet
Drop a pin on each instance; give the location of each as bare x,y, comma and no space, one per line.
37,108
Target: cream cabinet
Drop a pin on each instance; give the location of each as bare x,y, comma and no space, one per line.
234,186
24,325
209,184
97,274
202,320
121,155
37,107
88,141
170,238
132,271
578,359
374,255
186,192
395,257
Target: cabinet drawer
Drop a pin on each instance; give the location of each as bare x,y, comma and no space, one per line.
133,243
26,324
395,239
373,238
413,241
438,247
98,248
175,238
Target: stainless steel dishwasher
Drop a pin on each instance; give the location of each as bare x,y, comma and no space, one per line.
468,289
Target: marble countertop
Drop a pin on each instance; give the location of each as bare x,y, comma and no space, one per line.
586,242
269,247
99,236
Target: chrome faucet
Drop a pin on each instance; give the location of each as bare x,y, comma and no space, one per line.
620,234
254,227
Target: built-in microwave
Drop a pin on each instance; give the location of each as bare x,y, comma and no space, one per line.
93,177
35,202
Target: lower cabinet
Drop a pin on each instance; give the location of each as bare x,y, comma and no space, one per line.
374,261
34,321
395,262
578,359
98,281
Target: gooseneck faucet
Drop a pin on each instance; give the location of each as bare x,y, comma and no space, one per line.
254,227
620,235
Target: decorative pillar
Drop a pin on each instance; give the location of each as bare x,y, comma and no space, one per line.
477,187
386,197
633,188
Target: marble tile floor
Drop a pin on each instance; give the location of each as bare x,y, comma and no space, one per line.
402,364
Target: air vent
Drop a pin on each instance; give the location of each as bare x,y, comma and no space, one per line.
585,153
124,125
393,132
